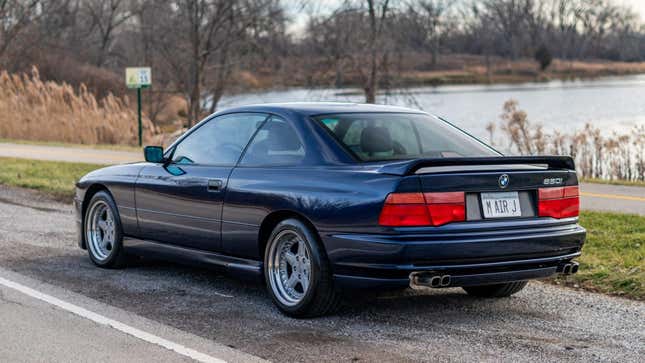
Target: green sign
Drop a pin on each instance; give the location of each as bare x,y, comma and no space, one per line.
139,77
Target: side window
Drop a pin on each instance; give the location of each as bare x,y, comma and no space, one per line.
220,141
277,143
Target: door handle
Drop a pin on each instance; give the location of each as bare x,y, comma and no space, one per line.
215,185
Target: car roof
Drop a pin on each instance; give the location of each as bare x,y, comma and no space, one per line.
320,108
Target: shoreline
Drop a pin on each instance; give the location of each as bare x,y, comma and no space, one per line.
455,69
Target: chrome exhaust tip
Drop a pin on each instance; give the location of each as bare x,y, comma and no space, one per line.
566,269
445,280
574,267
569,268
426,280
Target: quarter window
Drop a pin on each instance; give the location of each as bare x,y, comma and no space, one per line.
219,141
276,143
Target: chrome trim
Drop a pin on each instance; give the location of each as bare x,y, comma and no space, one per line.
493,167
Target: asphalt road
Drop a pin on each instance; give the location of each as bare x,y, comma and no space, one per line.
34,331
70,154
613,198
594,196
217,315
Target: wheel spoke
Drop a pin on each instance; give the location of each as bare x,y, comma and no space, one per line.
304,281
291,258
301,249
292,281
103,225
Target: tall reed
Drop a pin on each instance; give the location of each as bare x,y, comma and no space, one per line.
32,109
598,154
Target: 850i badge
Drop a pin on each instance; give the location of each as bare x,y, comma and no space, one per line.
552,181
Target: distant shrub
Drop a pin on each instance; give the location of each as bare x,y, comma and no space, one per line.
597,154
63,68
31,109
544,57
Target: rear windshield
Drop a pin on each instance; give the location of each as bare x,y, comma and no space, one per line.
394,136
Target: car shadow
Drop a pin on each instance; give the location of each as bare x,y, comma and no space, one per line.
173,283
217,306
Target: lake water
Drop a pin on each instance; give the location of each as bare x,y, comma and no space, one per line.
612,104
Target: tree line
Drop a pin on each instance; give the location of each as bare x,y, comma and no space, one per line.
196,47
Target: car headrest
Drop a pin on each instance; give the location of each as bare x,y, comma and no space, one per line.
376,139
282,137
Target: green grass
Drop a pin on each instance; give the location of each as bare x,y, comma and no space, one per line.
52,177
82,146
637,183
613,258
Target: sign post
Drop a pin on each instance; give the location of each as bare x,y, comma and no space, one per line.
140,77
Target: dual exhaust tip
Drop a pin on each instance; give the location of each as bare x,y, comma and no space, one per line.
440,281
427,280
568,268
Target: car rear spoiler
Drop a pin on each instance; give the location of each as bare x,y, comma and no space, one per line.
410,167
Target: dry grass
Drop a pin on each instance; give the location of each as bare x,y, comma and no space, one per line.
596,69
31,109
598,154
415,69
455,70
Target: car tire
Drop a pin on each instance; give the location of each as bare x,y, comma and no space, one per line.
293,252
496,290
103,232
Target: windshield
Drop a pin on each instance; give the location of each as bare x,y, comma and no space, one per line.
396,136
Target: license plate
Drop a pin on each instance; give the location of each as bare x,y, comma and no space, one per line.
500,205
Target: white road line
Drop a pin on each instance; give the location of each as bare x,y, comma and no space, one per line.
100,319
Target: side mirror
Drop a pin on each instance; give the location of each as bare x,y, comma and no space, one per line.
153,154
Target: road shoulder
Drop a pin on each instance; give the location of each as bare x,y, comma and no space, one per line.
148,336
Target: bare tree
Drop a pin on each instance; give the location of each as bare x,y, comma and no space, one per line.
429,18
251,24
377,16
332,36
15,17
106,16
511,17
188,41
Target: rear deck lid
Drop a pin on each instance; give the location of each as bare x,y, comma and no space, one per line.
496,188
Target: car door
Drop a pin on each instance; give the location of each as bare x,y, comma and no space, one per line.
180,202
266,172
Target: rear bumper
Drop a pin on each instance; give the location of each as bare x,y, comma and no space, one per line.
479,253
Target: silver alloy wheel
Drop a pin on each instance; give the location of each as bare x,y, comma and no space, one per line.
100,230
289,267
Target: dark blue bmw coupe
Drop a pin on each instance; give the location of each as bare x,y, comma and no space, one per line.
323,197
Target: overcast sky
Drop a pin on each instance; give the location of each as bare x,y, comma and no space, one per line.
299,18
638,5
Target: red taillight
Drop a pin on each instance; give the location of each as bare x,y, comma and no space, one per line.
559,202
404,209
417,209
446,207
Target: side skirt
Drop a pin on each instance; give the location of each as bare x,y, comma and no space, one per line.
238,267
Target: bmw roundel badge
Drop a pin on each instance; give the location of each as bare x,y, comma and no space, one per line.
504,180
